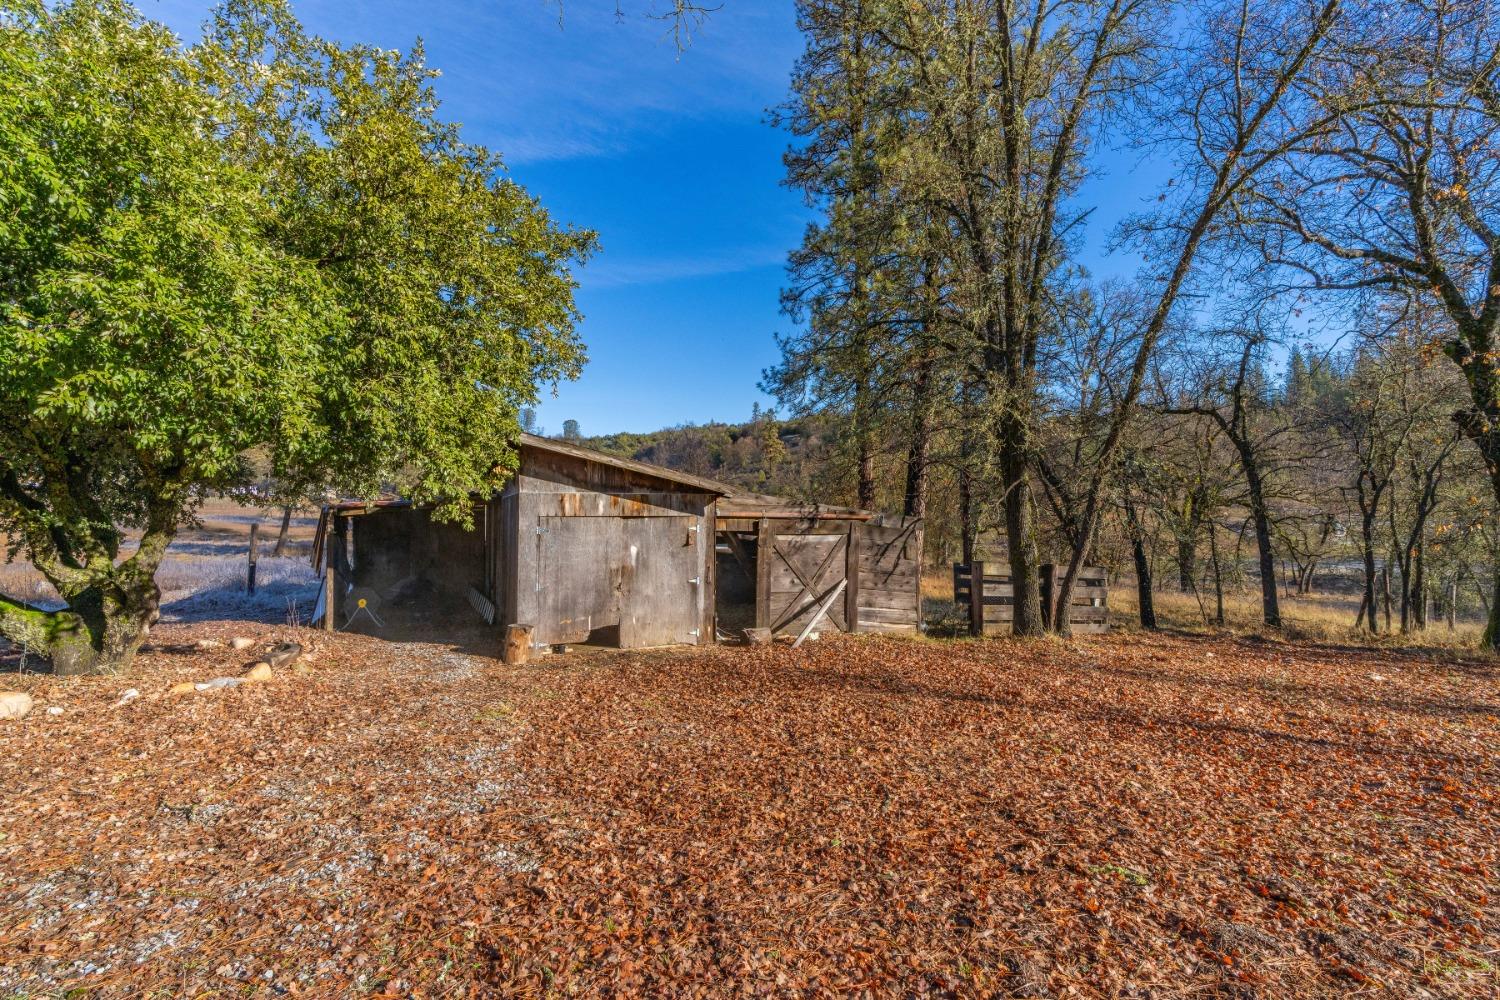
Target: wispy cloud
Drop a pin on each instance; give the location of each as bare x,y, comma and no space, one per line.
607,274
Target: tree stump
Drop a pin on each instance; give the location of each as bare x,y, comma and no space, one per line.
757,637
518,644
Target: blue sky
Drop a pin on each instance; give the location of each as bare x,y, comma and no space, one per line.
665,154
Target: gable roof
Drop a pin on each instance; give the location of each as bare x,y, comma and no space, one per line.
661,472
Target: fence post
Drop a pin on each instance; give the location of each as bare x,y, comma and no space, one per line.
1048,588
254,545
328,597
976,597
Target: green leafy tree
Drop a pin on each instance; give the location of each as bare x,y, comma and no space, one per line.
262,241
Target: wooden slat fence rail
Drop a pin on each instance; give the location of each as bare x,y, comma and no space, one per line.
991,605
991,602
1089,607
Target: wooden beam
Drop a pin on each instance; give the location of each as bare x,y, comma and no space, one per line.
853,547
822,610
976,597
763,548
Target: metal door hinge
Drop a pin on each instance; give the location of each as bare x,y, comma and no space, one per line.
696,581
541,530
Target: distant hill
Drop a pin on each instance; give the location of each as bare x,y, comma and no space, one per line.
797,459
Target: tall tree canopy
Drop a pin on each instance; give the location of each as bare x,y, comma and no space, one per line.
265,239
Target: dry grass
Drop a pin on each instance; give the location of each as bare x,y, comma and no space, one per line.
204,573
1319,617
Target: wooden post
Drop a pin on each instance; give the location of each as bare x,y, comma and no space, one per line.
518,644
1453,603
851,575
765,551
822,610
254,544
1049,593
328,598
976,597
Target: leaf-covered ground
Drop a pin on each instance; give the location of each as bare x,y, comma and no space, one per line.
1126,816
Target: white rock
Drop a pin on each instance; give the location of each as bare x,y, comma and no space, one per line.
241,642
219,682
14,704
203,644
55,710
131,694
1377,677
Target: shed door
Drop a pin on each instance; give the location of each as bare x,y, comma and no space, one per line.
659,604
634,572
580,577
798,572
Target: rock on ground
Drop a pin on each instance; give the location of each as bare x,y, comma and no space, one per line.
14,704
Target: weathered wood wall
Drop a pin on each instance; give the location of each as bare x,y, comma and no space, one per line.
889,587
599,547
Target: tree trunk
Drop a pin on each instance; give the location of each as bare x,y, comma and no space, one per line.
1020,528
966,529
1367,546
918,451
1187,563
281,536
1270,605
1213,552
98,632
866,472
1144,597
1419,587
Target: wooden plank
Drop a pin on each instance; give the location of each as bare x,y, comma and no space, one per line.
890,616
812,623
896,601
708,628
653,572
904,573
852,554
870,626
906,593
976,597
763,560
737,548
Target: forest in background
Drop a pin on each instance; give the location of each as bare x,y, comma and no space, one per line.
1302,377
1355,463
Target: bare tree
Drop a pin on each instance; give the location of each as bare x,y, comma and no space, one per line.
1402,197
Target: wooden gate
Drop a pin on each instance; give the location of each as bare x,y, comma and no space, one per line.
991,602
798,568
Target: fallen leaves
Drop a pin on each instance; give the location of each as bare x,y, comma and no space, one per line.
1112,817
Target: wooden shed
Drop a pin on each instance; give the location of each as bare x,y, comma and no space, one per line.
579,544
781,561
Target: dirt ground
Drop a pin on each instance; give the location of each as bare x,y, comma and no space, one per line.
1128,816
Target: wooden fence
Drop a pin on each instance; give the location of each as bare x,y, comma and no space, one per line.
991,605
